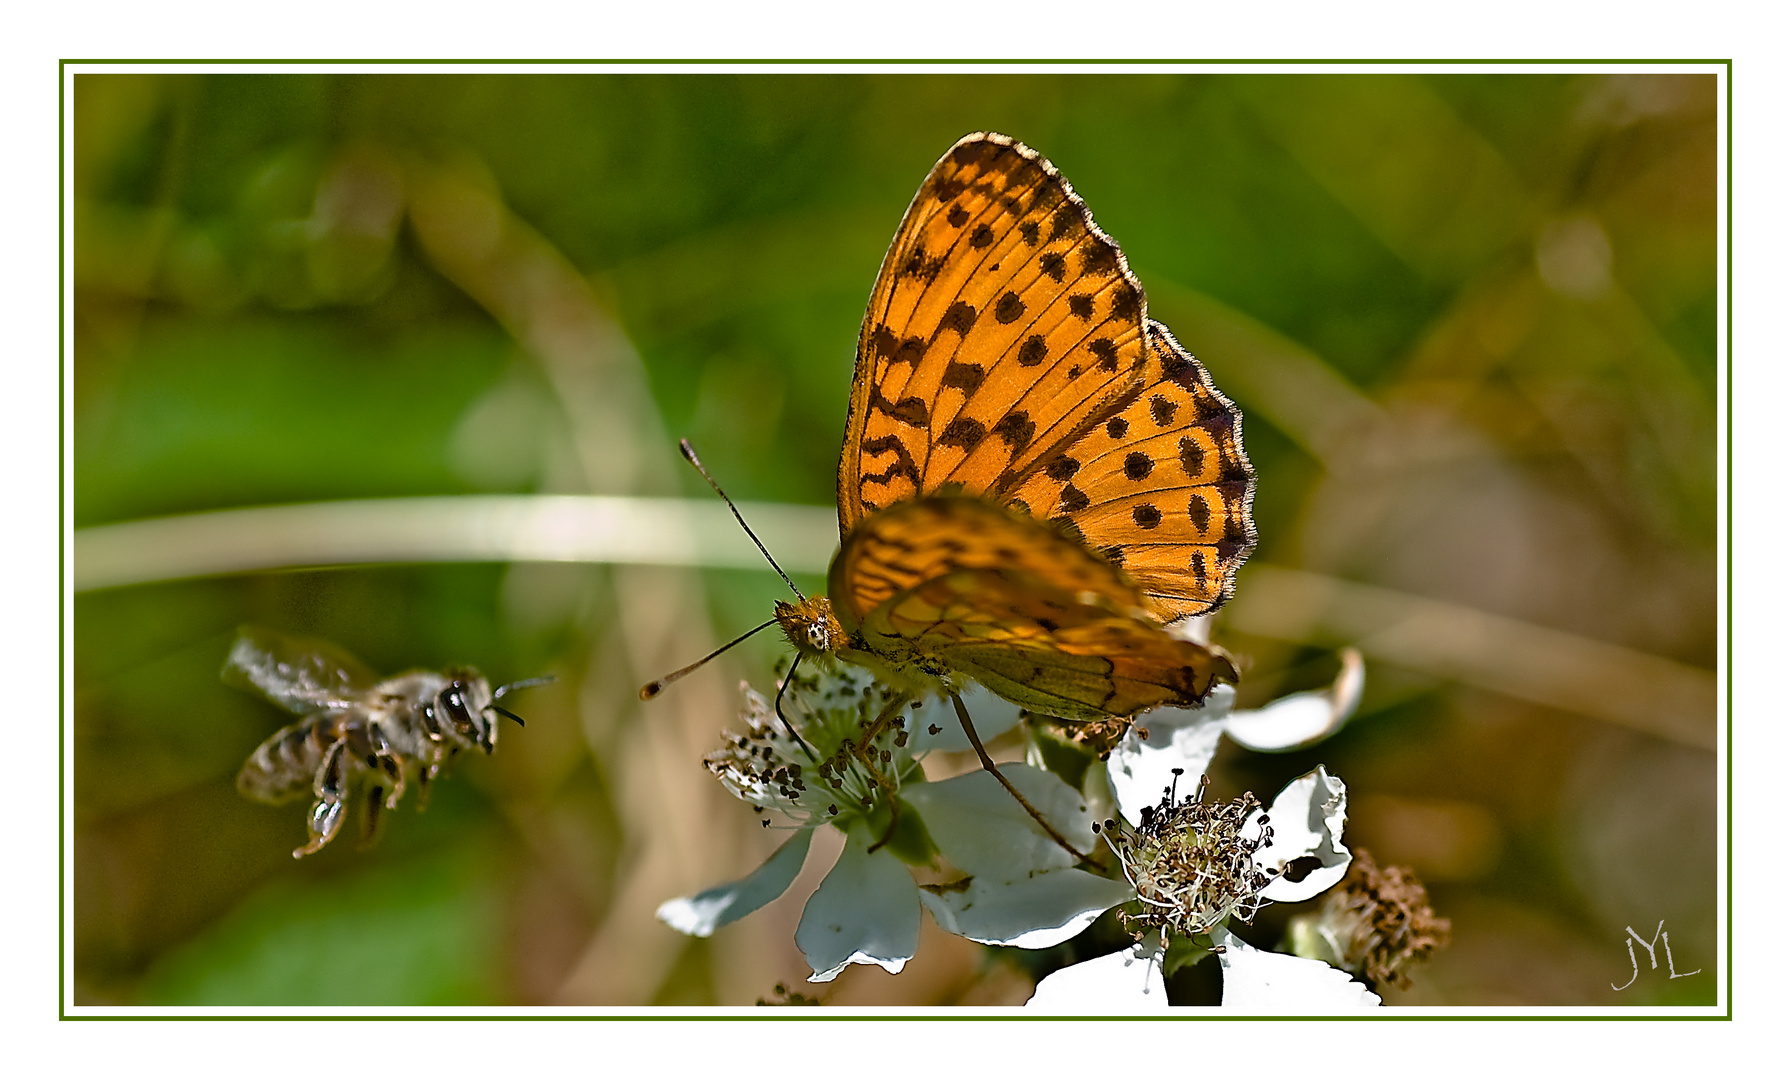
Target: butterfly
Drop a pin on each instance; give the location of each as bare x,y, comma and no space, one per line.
1036,477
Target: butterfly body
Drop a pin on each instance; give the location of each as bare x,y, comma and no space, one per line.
1036,478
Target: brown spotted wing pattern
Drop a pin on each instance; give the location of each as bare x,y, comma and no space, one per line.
1006,353
956,583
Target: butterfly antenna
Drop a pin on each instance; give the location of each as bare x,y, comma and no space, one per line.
653,689
690,455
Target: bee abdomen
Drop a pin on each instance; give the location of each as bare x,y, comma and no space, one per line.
285,766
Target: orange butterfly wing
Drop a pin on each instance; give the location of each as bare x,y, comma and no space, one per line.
948,584
1006,353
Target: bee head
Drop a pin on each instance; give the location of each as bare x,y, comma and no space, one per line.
468,707
464,707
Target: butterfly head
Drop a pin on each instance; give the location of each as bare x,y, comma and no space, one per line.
811,626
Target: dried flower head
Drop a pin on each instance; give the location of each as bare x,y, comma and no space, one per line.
1192,863
1378,923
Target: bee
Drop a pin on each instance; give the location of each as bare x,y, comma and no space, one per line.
359,732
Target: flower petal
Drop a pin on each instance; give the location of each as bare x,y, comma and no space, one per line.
992,716
712,909
1020,886
867,911
1131,978
1278,982
1307,819
1030,911
1299,720
980,827
1140,768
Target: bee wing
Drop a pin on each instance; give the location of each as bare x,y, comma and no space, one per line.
301,675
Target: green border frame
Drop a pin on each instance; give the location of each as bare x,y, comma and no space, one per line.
64,945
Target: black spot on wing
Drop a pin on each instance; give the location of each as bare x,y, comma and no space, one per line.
965,377
1099,257
1067,216
964,432
1032,351
1147,516
1192,455
957,216
883,343
1016,429
902,466
1126,302
1138,465
1052,264
1107,351
959,317
910,410
919,264
1009,307
1199,513
1082,307
1062,467
1181,371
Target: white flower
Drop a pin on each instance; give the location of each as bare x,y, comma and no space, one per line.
1161,741
1299,720
1014,886
1195,865
1276,982
1128,980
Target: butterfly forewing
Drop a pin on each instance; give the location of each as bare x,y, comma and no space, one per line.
1162,489
1006,353
1003,325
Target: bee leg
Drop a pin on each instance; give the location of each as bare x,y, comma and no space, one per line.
372,817
392,766
326,812
427,774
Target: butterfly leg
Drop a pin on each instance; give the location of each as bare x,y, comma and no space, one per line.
957,703
778,707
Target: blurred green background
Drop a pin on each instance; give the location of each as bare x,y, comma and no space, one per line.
1471,319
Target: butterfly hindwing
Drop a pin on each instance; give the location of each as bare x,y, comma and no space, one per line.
917,541
956,584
